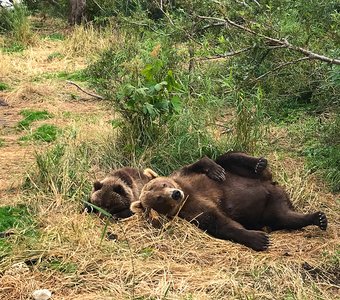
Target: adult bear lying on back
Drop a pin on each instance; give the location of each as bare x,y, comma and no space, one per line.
233,209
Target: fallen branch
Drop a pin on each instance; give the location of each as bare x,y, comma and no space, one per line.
284,43
88,93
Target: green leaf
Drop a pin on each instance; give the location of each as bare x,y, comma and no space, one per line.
176,103
160,86
149,109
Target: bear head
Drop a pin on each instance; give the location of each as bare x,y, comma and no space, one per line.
112,194
161,194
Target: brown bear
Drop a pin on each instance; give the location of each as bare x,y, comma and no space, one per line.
235,209
118,190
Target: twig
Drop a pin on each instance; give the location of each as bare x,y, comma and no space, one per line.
284,43
88,93
281,66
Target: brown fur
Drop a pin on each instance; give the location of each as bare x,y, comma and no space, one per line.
118,190
234,209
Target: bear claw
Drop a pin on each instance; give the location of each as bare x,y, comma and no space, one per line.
259,241
217,174
261,165
322,221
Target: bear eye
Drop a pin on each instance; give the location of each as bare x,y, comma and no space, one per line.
119,190
164,185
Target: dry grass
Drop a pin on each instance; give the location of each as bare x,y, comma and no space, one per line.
178,262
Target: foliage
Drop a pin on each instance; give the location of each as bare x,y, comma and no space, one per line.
62,169
166,92
249,117
323,154
14,217
46,133
142,87
4,86
16,24
31,116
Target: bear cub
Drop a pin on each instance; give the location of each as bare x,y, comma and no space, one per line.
118,190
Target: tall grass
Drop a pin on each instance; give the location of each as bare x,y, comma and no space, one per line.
17,25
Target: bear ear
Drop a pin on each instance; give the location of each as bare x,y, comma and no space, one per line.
150,173
97,185
137,207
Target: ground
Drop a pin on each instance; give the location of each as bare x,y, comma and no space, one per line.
68,255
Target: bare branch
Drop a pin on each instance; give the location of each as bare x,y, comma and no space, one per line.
88,93
284,43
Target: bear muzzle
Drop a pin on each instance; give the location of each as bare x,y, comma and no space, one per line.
177,195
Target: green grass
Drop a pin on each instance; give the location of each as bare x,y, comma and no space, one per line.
55,55
4,86
13,48
14,217
31,116
2,142
63,75
45,133
60,266
55,36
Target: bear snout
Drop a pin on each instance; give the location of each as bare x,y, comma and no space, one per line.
176,195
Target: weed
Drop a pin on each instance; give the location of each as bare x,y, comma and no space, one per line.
46,133
13,48
16,23
55,36
323,153
249,121
62,169
55,55
14,217
2,142
4,86
60,266
31,116
143,89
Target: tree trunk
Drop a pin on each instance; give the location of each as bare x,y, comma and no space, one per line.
77,11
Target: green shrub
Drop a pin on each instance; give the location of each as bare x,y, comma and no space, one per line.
141,86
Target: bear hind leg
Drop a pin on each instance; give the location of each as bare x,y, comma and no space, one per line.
245,165
294,220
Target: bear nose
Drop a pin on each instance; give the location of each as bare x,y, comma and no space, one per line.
176,195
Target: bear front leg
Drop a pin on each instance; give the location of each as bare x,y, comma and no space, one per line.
222,227
205,166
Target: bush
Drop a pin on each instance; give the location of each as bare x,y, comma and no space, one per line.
142,86
16,24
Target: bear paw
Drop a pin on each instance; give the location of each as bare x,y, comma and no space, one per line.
259,241
261,165
217,173
321,220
